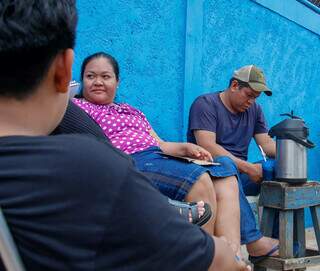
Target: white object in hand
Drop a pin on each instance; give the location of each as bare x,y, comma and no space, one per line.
263,153
73,88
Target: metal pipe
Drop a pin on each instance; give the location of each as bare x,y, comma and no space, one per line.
310,5
9,253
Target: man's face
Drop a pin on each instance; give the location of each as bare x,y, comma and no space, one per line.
243,98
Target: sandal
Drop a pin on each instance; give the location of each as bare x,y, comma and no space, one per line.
258,259
184,209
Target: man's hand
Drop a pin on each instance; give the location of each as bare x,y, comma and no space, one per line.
225,258
254,172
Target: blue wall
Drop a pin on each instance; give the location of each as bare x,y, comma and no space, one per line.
149,40
288,53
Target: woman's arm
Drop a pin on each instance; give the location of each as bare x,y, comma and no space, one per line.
182,149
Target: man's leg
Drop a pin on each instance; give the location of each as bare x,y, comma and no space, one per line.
249,187
256,243
228,211
248,226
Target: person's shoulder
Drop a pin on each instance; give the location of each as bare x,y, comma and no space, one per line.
85,167
82,103
205,102
132,108
127,106
77,100
80,146
207,98
84,154
255,108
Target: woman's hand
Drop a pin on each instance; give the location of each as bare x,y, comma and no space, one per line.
185,149
197,152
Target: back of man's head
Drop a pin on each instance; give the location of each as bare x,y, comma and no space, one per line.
32,33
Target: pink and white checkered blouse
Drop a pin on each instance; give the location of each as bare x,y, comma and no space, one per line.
126,127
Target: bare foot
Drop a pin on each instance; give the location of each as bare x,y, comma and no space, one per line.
184,208
201,210
262,246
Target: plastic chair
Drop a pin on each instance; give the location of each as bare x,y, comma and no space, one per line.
8,250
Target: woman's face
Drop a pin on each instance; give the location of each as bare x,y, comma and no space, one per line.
99,81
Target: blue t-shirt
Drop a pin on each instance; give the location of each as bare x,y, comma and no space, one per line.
233,131
73,203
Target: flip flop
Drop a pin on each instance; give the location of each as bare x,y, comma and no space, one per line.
258,259
184,209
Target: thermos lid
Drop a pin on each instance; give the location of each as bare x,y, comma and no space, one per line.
292,126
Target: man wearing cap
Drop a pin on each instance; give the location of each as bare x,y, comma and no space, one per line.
224,123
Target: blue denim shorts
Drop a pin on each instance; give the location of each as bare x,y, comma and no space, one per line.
173,177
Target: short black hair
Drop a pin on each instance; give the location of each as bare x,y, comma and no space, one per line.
240,83
32,33
114,63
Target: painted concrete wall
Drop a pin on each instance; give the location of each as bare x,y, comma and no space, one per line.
148,38
248,33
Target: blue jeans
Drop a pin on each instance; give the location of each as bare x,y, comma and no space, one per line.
248,227
174,178
252,189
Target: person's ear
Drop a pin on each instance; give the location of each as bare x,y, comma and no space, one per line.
63,71
234,85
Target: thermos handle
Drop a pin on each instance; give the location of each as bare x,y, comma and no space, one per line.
307,143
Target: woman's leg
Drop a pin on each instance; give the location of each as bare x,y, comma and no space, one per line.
203,189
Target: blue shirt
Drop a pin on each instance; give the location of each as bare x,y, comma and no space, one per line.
234,131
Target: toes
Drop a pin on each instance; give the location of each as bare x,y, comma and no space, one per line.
201,209
200,203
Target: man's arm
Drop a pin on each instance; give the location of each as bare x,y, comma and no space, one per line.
207,140
267,144
225,259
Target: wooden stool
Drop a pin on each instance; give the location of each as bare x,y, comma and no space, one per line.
290,200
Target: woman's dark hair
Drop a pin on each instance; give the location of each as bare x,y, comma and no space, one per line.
240,83
110,58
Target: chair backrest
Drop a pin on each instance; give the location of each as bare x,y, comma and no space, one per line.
8,250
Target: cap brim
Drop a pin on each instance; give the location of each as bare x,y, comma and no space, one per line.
260,88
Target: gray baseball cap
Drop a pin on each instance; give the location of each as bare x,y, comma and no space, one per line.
254,77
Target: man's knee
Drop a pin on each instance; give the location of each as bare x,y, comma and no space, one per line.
228,164
227,188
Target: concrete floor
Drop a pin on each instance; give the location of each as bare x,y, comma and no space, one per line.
311,243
